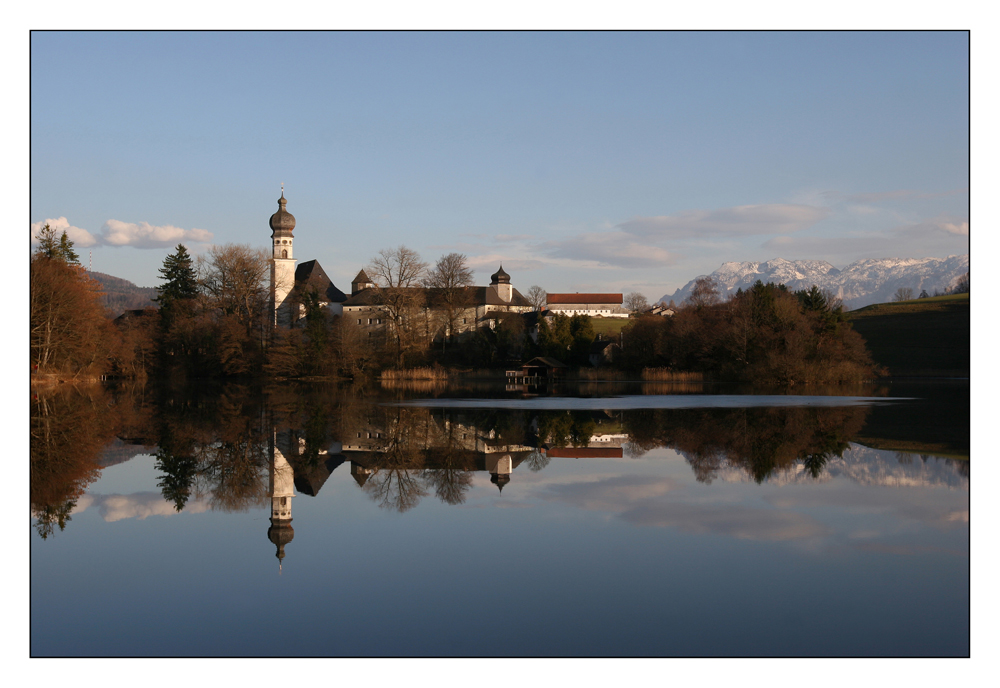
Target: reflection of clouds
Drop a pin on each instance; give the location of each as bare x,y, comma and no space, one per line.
736,521
959,516
641,501
611,494
138,505
937,510
907,550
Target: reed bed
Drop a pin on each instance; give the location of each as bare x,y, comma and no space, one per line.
668,375
407,385
429,373
603,374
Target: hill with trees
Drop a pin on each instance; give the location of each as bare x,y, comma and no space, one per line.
120,295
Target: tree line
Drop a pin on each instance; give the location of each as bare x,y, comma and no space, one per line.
764,335
214,318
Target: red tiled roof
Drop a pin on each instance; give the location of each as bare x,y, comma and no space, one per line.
584,298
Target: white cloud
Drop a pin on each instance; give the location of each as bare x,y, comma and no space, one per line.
510,265
744,220
81,238
616,249
939,236
117,233
958,227
145,235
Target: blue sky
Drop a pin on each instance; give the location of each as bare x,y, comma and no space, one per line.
582,161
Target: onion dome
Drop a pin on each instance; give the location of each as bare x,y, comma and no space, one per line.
280,533
282,222
500,277
500,479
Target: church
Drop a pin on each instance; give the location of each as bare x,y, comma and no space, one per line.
477,306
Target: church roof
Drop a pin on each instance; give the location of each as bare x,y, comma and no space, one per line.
362,277
583,298
311,272
475,296
499,276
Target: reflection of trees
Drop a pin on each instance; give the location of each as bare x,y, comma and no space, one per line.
233,468
178,476
757,440
536,461
395,479
449,478
213,443
69,428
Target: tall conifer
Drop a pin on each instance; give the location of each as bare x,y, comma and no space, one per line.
179,278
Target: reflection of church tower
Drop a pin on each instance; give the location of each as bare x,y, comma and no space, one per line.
282,263
280,487
500,469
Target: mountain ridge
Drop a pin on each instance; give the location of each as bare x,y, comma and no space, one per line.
863,282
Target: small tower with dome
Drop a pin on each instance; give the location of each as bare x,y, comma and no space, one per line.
282,261
500,281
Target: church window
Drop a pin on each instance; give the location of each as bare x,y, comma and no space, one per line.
284,253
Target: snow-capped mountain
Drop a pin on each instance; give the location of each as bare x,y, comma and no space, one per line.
859,284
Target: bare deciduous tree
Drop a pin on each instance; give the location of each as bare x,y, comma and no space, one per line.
903,294
397,274
704,293
450,280
636,302
235,276
537,297
962,285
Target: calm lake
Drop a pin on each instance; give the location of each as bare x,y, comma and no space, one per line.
599,520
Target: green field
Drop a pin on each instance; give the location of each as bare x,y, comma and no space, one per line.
609,327
923,337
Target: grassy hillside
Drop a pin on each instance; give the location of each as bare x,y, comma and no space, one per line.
923,337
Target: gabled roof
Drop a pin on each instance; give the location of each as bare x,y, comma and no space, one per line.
546,361
583,298
365,297
312,272
475,296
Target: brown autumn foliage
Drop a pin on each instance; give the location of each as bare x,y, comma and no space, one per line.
70,330
766,335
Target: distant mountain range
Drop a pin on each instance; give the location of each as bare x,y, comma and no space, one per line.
120,295
859,284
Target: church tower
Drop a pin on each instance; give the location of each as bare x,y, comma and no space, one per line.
500,281
282,263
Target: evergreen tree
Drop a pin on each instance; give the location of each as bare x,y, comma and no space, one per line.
179,278
60,249
66,250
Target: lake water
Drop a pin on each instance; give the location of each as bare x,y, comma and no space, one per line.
610,521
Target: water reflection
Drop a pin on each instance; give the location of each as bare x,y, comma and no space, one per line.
245,449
